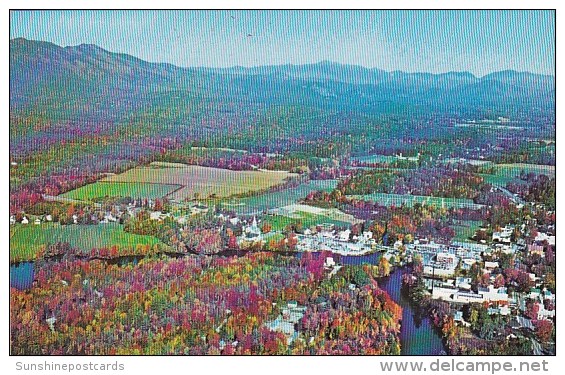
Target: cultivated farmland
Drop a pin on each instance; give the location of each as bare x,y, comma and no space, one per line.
200,182
104,189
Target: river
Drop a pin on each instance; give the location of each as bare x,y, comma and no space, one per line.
417,336
21,275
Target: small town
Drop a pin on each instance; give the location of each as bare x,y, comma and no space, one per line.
459,273
273,183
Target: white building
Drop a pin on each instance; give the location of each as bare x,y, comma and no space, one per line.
492,294
251,233
501,310
545,237
504,235
344,235
490,266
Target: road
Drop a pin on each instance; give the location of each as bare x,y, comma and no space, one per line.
512,197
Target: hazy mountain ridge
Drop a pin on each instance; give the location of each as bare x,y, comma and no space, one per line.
80,73
326,70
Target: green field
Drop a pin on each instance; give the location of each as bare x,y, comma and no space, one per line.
279,222
409,200
504,173
179,181
497,180
516,168
465,229
103,189
26,240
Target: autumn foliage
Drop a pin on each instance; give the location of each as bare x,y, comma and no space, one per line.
197,305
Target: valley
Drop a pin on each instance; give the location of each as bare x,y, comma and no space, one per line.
295,209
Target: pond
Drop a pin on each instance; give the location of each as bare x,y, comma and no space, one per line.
21,275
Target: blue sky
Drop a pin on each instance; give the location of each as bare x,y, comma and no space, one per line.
426,41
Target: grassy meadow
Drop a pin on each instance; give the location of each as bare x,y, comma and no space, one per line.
103,189
26,241
501,174
409,200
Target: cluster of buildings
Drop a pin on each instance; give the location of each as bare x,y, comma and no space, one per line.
340,242
37,221
442,266
441,260
117,212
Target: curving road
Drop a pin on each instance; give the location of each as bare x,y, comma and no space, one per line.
513,198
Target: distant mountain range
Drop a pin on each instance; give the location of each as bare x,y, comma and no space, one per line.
329,71
43,74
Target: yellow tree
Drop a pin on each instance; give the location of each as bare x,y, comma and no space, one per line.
384,267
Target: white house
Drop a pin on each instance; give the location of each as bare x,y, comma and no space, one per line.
548,295
535,249
463,283
545,237
25,220
397,245
344,235
504,235
491,293
110,217
158,215
467,263
545,314
501,310
467,297
535,293
329,262
490,266
437,271
198,209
